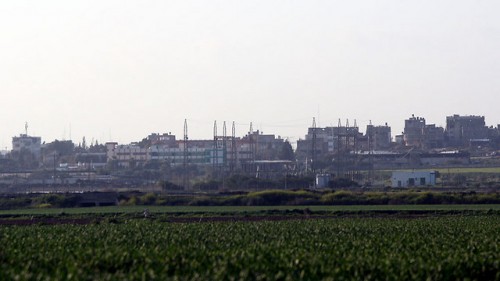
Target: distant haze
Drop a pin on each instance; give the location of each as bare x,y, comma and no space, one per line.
119,70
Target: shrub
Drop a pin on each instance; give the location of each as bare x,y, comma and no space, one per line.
342,182
168,186
281,197
148,199
44,205
15,202
342,198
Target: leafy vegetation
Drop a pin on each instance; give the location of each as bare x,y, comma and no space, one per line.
309,197
461,209
444,248
262,198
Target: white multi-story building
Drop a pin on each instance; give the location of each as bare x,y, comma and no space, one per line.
124,154
194,155
25,142
222,150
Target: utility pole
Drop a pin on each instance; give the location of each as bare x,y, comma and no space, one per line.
338,148
370,153
252,142
215,152
251,139
234,155
347,150
313,150
224,153
54,176
185,157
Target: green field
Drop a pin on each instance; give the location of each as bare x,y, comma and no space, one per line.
250,209
444,171
488,170
433,248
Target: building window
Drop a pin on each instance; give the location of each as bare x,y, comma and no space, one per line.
411,182
422,181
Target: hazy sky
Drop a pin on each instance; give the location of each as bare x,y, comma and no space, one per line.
119,70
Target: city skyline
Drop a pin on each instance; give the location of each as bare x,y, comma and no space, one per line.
219,127
120,70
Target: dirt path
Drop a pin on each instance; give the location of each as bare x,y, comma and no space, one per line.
228,218
43,221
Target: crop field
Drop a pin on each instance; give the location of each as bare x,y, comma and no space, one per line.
484,170
465,170
436,248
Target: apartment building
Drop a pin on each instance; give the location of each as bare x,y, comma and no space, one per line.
418,134
29,143
461,129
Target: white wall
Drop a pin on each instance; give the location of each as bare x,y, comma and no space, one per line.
414,178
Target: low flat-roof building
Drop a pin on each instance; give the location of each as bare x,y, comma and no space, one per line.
413,178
